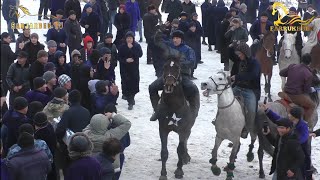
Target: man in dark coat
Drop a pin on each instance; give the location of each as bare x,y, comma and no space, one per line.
33,47
252,5
212,22
72,5
55,5
193,39
44,6
204,12
260,27
38,92
129,54
122,23
73,31
188,7
59,35
219,24
184,22
150,20
23,38
91,22
17,77
9,9
288,156
7,58
37,68
111,46
12,120
174,8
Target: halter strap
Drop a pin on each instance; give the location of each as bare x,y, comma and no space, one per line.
224,107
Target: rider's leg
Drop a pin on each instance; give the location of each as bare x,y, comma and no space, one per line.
299,44
191,93
154,96
306,102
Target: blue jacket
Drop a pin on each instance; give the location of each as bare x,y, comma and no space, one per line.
93,20
301,128
35,95
107,167
99,102
8,9
255,29
55,5
134,11
58,36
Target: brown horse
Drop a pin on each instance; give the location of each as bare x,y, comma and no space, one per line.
315,55
263,51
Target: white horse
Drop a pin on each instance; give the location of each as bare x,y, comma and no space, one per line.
288,53
230,120
312,38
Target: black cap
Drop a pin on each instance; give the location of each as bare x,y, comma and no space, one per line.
285,122
40,119
26,127
4,35
108,35
183,14
59,92
60,12
177,33
71,12
38,82
20,103
23,54
110,108
265,14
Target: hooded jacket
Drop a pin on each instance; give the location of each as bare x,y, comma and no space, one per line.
55,108
85,52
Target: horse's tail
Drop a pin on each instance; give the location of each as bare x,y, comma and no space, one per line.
263,141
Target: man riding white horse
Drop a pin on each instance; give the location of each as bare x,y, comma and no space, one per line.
247,81
187,60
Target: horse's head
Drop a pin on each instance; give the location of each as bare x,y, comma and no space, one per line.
171,73
216,84
288,44
268,42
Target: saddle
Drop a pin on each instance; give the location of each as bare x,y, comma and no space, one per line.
285,101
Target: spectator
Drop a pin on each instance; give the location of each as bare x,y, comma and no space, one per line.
252,5
264,4
221,11
214,15
112,5
34,108
60,62
75,67
85,74
11,122
50,66
33,47
199,31
35,162
83,166
55,6
150,20
58,18
122,23
38,92
9,14
110,150
18,77
7,58
72,5
44,6
52,48
243,15
108,44
73,31
193,39
51,82
133,10
183,22
65,82
91,22
58,34
57,106
86,51
204,12
310,13
288,156
105,69
315,133
93,61
129,54
174,8
37,67
302,5
188,7
23,38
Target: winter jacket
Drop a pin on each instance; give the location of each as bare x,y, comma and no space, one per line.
36,70
299,79
255,29
35,95
106,164
288,155
184,25
243,18
32,50
75,71
239,34
94,23
134,12
149,23
174,8
51,57
35,163
99,102
47,134
301,128
20,39
59,36
85,52
105,74
72,5
114,52
83,86
122,23
61,68
252,6
113,4
248,75
55,108
87,168
9,8
264,4
56,5
12,120
130,74
204,13
18,75
7,58
215,28
74,34
189,8
99,131
193,39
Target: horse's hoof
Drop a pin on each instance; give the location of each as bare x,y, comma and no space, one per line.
250,157
230,145
229,176
163,178
216,170
262,175
178,174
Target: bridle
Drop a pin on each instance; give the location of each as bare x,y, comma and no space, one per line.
174,77
226,86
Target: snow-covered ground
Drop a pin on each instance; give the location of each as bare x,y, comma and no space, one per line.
142,156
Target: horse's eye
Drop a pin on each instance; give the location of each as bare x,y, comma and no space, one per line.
220,79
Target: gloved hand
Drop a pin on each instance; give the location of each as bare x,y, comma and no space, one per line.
312,89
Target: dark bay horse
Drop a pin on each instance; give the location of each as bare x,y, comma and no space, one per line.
175,115
315,55
263,51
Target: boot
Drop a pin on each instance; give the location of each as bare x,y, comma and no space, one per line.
140,40
131,102
130,107
154,102
200,62
124,97
45,17
39,18
204,42
210,48
194,102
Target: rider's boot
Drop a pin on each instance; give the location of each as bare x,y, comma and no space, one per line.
194,102
154,102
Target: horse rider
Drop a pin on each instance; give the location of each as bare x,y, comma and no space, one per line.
298,86
247,82
187,60
292,14
235,34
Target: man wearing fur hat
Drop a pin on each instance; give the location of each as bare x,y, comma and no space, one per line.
247,82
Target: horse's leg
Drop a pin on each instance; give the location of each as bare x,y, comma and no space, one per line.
265,84
260,156
186,158
250,155
232,159
269,91
182,151
214,168
164,152
283,82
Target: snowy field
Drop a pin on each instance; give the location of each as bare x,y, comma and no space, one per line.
142,156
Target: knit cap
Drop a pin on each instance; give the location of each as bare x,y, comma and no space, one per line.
63,79
243,6
59,92
42,53
20,103
38,82
175,21
285,122
49,67
104,51
34,35
40,119
51,43
296,112
244,48
48,75
79,146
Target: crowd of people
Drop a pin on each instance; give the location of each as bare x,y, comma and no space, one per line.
61,118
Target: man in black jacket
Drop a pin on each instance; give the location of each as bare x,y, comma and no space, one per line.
72,5
37,68
150,20
288,156
73,31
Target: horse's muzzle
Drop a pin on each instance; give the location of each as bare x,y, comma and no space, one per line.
204,86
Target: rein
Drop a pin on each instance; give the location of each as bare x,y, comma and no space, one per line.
226,86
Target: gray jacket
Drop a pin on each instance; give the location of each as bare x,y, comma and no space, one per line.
74,34
18,75
239,34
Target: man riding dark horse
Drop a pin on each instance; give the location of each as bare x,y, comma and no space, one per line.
187,60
